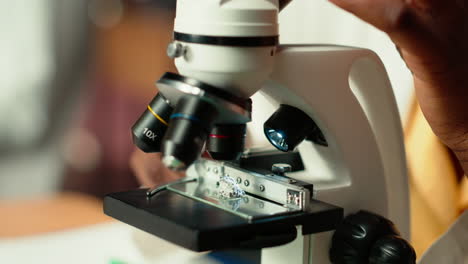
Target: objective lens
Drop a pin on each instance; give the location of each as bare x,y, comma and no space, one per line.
226,142
150,128
188,131
289,126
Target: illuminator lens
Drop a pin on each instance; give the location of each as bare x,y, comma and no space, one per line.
289,126
277,138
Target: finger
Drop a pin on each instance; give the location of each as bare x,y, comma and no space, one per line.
395,17
141,166
403,22
383,14
149,170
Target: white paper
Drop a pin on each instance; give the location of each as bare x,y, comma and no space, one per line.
99,244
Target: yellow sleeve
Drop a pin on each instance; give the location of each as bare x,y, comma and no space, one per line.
434,188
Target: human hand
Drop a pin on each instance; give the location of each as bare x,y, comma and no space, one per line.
150,171
432,37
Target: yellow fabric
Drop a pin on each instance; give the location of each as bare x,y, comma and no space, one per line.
464,194
436,194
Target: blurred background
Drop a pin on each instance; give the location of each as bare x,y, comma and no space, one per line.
76,74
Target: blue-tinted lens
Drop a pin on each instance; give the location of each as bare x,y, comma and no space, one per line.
278,139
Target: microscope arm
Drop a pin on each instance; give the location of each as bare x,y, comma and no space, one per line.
346,91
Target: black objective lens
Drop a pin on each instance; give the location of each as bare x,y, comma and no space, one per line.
226,142
190,125
150,128
289,126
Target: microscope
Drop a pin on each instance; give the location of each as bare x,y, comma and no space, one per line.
328,112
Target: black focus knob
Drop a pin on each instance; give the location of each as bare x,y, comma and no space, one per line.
392,250
365,236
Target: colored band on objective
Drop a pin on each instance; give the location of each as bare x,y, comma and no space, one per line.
219,136
189,117
157,116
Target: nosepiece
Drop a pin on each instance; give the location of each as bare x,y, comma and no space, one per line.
201,110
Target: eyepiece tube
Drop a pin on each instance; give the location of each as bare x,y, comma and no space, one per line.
190,124
150,128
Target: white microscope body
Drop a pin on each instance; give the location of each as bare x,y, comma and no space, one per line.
345,90
335,107
348,94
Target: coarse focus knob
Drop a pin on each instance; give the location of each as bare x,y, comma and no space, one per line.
392,250
281,168
365,237
175,50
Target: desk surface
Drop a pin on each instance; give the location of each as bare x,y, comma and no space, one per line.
71,228
48,214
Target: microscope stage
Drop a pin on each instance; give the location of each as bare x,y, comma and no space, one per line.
199,226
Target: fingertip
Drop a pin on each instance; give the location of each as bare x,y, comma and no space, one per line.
348,5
